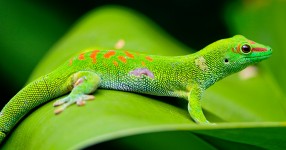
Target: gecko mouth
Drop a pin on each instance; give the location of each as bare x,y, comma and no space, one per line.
259,58
255,59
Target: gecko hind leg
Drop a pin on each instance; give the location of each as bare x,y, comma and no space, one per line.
84,83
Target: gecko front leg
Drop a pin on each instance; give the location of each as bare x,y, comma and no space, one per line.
194,105
84,83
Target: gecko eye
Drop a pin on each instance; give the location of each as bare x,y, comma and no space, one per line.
246,49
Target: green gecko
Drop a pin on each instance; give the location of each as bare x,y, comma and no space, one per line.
178,76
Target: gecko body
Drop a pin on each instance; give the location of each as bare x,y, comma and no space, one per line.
178,76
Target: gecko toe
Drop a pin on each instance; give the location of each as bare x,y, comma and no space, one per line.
80,100
61,101
88,97
80,103
59,110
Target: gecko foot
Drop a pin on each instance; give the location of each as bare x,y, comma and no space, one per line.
67,101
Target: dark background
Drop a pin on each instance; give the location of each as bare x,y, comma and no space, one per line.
195,23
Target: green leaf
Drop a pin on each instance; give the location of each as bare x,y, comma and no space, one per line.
114,115
27,30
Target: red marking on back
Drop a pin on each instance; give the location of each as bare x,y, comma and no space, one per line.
251,42
129,54
121,58
70,63
259,49
109,54
81,56
93,56
149,58
115,63
143,63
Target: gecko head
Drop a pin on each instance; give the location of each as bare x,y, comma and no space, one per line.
228,56
242,52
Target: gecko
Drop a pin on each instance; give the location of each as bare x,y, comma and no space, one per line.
184,77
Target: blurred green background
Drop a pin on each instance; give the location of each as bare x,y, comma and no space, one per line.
28,29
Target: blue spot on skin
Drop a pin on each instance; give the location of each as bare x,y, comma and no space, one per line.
142,71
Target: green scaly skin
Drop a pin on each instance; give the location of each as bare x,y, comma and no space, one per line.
180,76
